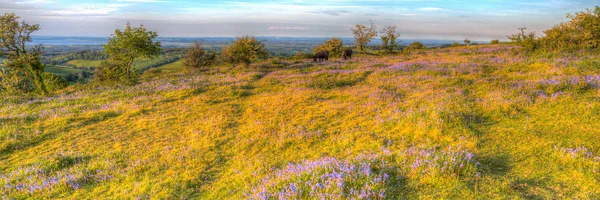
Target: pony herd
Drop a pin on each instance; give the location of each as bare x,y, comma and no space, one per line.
324,55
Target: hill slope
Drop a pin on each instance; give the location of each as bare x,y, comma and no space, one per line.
485,122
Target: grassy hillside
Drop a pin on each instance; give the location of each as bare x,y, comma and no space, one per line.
484,122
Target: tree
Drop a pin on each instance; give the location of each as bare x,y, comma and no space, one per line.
333,45
245,50
21,61
582,30
495,42
392,34
414,46
455,44
196,57
124,47
385,40
467,42
363,35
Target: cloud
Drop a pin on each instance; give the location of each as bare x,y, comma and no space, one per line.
287,28
430,9
98,9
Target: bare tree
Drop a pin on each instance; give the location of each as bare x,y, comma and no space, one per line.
392,34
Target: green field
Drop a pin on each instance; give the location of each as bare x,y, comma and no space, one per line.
62,70
172,66
485,122
85,63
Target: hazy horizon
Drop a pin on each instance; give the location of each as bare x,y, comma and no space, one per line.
417,19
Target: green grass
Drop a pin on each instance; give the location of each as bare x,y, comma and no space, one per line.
62,70
85,63
172,66
483,122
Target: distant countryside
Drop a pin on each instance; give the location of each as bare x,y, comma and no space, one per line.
143,99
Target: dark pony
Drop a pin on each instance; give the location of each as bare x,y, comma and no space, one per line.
347,54
321,56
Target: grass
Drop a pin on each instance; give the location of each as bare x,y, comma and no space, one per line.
61,70
172,66
485,122
85,63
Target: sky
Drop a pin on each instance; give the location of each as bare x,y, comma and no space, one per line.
416,19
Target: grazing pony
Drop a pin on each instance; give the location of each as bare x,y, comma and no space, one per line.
321,56
347,54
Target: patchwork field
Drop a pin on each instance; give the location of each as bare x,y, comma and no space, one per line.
485,122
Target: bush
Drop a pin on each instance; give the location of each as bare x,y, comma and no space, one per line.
13,83
495,42
54,82
196,57
582,31
334,46
113,72
245,50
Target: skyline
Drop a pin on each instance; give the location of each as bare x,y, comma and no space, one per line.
416,19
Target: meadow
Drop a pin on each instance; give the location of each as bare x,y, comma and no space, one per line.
483,122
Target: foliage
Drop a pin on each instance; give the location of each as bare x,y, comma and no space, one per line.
114,73
196,57
14,83
21,60
54,82
495,42
124,47
467,42
363,35
414,46
245,50
390,38
333,45
455,44
581,31
526,40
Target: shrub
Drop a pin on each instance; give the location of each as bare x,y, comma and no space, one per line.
245,50
334,46
495,42
14,83
112,72
582,31
54,82
196,57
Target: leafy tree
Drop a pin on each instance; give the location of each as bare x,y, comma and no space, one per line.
455,44
527,40
196,57
124,47
245,50
392,34
21,61
363,35
495,42
467,42
333,45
